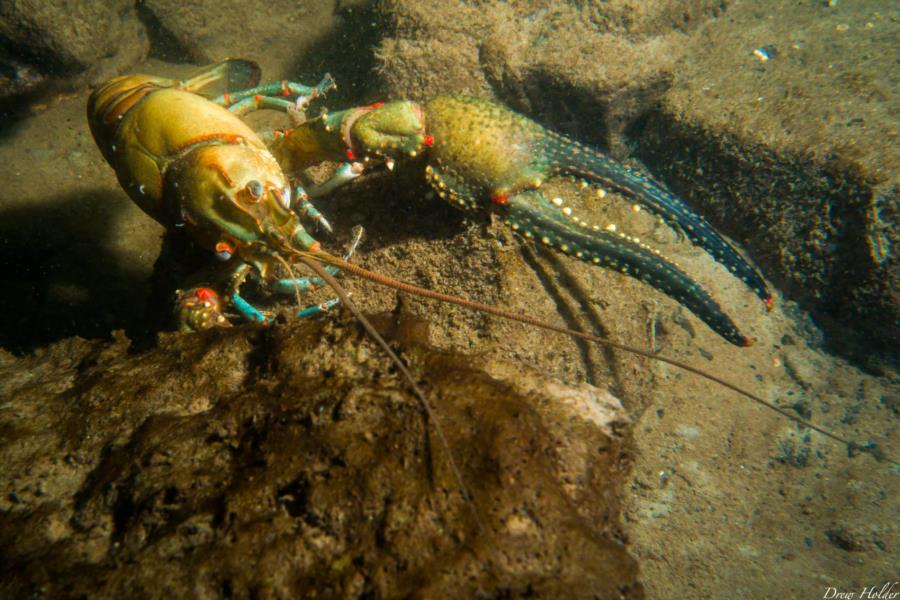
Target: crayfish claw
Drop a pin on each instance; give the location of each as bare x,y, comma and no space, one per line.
199,309
540,219
346,173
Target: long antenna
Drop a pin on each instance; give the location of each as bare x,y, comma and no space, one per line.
370,329
499,312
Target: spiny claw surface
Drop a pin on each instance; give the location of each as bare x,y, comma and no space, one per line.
482,156
486,156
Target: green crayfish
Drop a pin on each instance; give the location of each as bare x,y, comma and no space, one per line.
191,163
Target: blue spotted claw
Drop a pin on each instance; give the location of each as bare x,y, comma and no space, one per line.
529,211
568,157
482,156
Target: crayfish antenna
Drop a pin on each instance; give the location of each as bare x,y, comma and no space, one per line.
311,257
401,366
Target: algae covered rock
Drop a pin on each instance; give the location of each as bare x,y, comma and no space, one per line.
294,461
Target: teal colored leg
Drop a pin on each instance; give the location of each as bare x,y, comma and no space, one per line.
306,284
318,309
306,210
255,103
302,284
247,310
346,173
286,286
284,89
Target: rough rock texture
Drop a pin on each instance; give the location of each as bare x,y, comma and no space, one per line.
544,58
292,462
790,149
303,40
793,155
197,32
47,46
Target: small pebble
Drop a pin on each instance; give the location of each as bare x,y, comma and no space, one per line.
765,53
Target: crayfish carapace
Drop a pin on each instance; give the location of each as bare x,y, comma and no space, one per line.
189,162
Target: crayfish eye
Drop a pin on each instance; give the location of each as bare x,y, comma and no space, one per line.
255,189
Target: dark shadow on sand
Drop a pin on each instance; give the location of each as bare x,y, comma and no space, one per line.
59,276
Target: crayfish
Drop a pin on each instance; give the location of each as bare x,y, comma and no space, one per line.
190,162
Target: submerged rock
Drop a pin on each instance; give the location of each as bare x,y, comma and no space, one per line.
48,46
294,461
775,126
585,68
767,117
